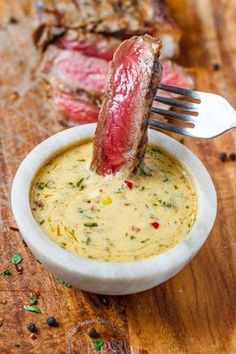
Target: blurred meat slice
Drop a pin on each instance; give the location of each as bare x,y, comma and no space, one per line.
107,16
121,19
90,44
174,75
121,134
77,92
75,71
75,108
165,28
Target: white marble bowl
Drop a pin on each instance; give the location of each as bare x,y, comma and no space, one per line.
103,277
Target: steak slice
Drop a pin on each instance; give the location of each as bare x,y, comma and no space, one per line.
176,75
121,134
77,92
74,71
78,109
90,44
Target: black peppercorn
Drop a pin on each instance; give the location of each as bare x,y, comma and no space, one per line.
51,321
216,66
92,332
13,20
223,156
31,327
232,156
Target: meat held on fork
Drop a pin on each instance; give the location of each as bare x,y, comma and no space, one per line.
121,135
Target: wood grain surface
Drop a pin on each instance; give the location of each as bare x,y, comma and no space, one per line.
194,312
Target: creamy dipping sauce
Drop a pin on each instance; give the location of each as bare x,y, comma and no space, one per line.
114,218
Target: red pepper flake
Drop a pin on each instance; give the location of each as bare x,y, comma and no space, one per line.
126,204
129,184
36,292
155,224
19,269
12,228
101,190
33,336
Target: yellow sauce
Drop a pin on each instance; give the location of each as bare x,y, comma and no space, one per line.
114,218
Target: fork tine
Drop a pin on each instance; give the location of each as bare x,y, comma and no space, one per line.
180,91
171,127
174,115
177,103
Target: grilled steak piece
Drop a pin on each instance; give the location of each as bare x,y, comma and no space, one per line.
121,134
108,16
122,19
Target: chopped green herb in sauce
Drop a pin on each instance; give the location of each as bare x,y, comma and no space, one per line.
90,224
116,218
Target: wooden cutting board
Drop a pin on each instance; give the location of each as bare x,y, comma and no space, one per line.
195,312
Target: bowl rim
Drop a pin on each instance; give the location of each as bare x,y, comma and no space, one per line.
48,251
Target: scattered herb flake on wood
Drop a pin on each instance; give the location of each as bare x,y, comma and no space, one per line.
6,273
98,343
35,309
66,285
16,258
33,300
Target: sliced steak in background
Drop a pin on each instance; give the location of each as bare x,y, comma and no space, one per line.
75,108
90,44
74,90
174,75
121,134
74,71
123,16
121,19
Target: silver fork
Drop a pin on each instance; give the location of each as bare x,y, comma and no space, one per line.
210,114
